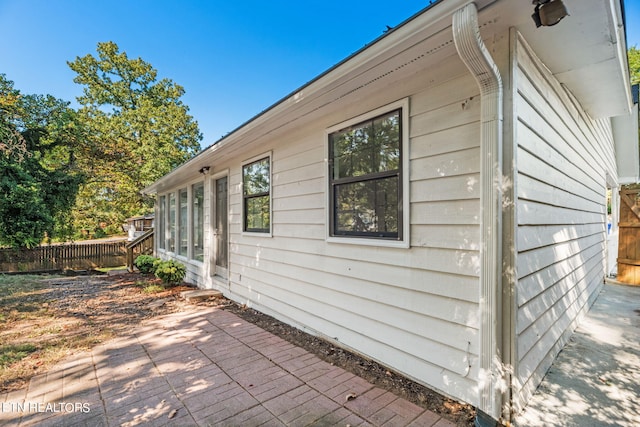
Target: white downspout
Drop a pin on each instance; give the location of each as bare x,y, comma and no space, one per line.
476,57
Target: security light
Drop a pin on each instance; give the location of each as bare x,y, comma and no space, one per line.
548,12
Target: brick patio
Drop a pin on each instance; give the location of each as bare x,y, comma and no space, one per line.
205,367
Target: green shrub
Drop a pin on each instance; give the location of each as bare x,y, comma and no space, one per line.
99,233
171,272
146,263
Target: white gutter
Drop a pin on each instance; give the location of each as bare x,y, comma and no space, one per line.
476,57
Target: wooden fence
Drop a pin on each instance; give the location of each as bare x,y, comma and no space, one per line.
75,256
629,238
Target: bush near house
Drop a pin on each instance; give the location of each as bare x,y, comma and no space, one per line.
146,263
170,272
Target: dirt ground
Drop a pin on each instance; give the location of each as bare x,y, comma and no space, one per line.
100,307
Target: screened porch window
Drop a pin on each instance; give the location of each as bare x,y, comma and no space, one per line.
198,221
162,221
183,220
365,169
172,222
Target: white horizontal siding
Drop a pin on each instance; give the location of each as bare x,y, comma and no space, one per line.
562,159
414,309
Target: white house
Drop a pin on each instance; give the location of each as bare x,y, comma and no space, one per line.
436,201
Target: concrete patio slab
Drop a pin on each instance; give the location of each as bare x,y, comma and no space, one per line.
595,381
204,367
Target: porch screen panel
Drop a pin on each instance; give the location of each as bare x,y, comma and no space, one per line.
162,222
172,222
198,221
182,218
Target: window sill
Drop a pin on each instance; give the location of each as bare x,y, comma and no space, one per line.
400,244
256,234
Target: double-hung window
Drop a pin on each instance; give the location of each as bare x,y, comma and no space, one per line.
256,191
366,178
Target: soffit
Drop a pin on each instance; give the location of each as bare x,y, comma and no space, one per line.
586,51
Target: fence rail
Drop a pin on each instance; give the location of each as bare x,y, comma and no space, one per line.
74,256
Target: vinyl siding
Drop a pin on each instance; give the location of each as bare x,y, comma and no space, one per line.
562,157
413,309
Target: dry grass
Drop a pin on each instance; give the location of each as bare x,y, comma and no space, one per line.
46,318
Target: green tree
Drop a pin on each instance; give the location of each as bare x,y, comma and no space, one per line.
633,56
139,131
38,177
11,141
634,64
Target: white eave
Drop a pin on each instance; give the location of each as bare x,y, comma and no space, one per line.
586,51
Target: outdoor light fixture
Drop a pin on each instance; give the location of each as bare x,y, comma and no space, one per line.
205,170
548,12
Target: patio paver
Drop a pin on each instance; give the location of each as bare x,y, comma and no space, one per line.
205,367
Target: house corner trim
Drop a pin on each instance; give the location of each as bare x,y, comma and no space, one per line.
476,57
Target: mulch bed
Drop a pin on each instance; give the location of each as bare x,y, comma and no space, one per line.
459,413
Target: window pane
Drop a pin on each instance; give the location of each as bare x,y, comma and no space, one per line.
386,131
255,177
368,208
370,147
182,230
162,221
221,222
198,221
256,188
257,214
172,222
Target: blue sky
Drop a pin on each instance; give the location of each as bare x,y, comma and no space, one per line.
234,59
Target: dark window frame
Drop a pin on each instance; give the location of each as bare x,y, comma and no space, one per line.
335,183
247,198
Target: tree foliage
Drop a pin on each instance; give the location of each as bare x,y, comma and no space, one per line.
139,130
633,55
11,141
39,179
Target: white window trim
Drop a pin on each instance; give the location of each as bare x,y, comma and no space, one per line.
269,155
403,104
